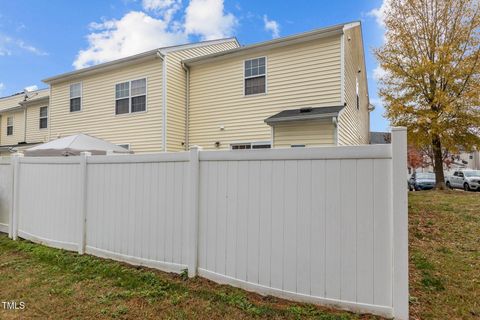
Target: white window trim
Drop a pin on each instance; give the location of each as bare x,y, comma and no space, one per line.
129,113
80,96
13,119
40,117
266,77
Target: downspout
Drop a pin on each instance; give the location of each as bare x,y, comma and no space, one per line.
187,104
24,123
49,119
335,133
164,100
342,83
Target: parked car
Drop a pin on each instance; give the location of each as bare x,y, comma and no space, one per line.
468,180
421,181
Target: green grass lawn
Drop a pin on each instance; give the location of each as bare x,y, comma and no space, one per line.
444,255
55,284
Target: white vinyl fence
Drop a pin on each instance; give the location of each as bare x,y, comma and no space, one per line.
322,225
5,193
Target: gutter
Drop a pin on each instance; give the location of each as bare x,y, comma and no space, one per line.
266,45
101,67
187,104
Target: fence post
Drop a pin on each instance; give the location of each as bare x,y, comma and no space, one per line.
83,202
12,186
15,194
194,165
400,223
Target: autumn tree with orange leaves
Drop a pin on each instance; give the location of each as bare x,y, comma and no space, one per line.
431,85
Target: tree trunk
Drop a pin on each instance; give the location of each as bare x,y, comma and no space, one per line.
438,163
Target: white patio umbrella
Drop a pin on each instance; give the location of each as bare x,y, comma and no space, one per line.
73,145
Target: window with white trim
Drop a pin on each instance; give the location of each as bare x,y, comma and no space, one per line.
131,96
43,117
75,97
255,76
250,145
9,125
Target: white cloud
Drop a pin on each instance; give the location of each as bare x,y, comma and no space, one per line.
8,45
272,26
2,87
165,8
134,33
31,88
155,5
379,13
27,47
138,31
378,73
208,19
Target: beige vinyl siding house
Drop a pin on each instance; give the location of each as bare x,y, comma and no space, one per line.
306,90
18,125
354,123
34,132
161,124
307,133
303,71
97,116
176,90
25,131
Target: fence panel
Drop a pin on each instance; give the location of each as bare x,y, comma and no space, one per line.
317,230
136,209
5,193
48,201
321,225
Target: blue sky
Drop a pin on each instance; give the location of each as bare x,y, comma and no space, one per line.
39,39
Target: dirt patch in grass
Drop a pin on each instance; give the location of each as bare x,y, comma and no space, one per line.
55,284
444,255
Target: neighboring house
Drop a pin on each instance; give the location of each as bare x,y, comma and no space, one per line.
23,120
464,160
421,162
304,90
380,137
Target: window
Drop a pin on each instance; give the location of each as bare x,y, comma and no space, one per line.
297,146
43,117
241,146
250,145
255,76
357,93
75,97
131,96
125,146
9,126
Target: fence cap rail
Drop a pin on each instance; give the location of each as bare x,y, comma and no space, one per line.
319,153
50,160
140,158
